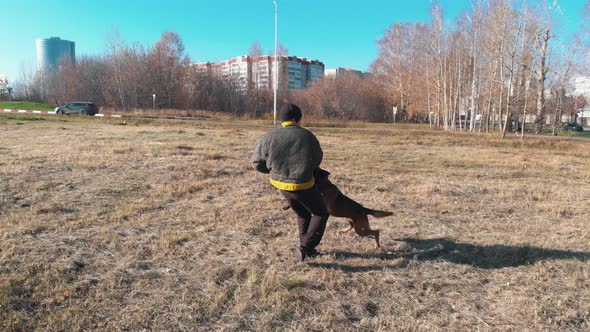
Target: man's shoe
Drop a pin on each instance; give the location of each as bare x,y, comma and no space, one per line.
312,253
302,253
305,252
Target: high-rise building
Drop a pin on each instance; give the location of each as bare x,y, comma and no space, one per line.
294,72
52,52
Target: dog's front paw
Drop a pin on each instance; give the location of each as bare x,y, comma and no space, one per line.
378,250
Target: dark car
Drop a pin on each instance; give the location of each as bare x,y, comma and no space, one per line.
573,126
79,107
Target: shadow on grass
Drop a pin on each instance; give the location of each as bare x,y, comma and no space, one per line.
442,249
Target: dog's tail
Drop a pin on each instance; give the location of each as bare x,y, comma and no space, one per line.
377,213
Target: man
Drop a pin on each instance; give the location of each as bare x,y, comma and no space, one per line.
291,154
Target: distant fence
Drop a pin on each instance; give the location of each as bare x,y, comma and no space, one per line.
27,111
52,113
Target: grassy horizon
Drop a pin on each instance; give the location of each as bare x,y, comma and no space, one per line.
26,105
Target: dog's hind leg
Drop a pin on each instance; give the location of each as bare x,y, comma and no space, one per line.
375,233
362,228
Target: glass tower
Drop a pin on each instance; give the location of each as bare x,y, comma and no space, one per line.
51,52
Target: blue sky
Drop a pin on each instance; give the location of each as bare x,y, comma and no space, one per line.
339,33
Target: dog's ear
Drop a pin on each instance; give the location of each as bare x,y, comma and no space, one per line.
321,173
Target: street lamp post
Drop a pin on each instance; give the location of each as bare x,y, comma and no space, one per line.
276,73
154,102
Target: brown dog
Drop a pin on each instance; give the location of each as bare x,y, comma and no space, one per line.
339,205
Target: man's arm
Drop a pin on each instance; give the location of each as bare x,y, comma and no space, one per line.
260,155
318,154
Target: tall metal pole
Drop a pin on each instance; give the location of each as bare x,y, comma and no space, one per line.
276,70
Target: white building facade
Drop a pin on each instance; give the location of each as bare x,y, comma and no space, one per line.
583,115
294,73
582,86
337,72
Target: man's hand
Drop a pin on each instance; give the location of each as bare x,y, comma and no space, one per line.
260,166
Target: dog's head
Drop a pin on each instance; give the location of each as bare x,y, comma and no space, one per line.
321,177
320,173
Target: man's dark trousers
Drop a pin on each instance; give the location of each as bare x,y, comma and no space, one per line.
311,215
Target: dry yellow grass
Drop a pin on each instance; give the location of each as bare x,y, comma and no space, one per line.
154,226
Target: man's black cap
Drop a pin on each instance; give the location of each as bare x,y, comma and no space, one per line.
289,112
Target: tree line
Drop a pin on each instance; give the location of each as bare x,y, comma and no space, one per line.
128,76
495,67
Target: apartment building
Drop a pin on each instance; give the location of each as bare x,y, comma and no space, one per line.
238,70
294,73
315,70
337,72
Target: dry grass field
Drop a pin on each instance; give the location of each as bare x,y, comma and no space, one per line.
165,226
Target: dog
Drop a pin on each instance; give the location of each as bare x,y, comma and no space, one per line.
340,205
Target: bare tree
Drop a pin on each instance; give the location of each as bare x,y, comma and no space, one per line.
281,50
255,50
544,37
344,97
254,53
166,60
115,46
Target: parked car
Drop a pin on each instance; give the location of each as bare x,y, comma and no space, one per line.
79,107
573,126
